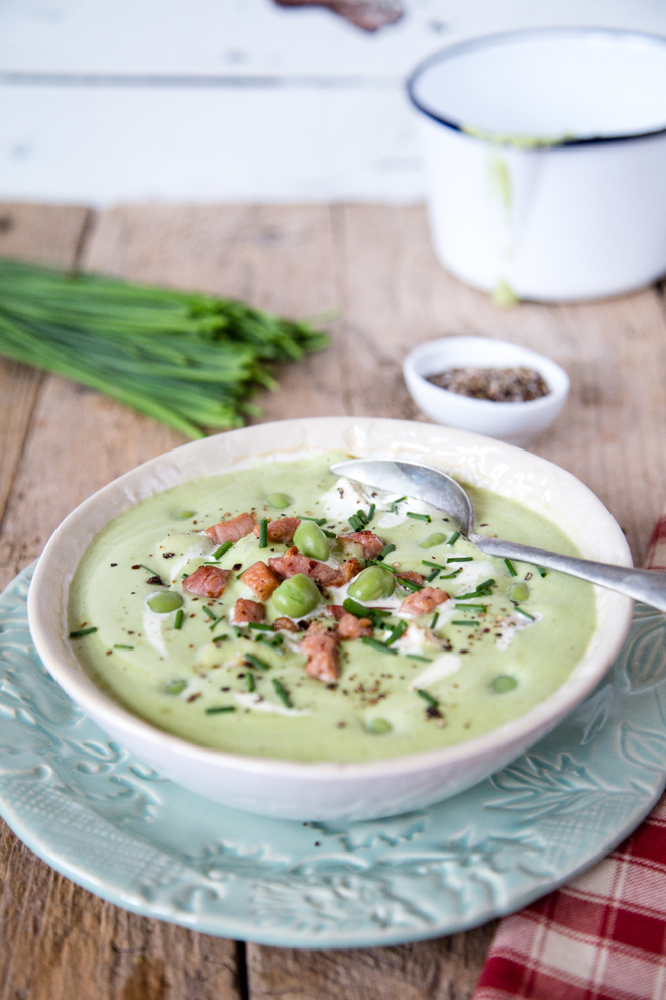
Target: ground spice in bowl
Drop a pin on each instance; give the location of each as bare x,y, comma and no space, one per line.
498,385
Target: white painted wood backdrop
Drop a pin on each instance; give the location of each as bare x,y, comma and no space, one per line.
105,101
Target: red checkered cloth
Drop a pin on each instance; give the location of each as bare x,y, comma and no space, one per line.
602,936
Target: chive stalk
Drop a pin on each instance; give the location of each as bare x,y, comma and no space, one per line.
178,620
224,547
378,645
511,568
282,693
454,538
263,533
428,697
77,633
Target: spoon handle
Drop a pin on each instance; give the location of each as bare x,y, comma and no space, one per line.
644,585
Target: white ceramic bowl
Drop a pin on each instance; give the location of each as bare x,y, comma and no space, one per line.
545,152
328,791
516,423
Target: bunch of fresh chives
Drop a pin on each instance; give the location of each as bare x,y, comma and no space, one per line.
187,359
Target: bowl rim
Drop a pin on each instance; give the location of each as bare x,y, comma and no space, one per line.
555,396
499,38
54,649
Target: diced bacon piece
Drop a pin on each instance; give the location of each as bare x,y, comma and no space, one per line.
411,575
335,611
207,581
232,530
321,648
281,531
261,579
346,571
351,627
245,611
421,602
285,625
292,562
370,544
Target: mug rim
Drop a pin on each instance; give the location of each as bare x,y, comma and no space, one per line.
500,37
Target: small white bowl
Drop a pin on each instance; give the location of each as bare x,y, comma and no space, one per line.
516,423
330,791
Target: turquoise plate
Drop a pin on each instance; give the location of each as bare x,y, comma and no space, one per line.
92,811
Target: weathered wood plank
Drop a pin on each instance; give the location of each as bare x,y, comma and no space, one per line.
443,969
50,234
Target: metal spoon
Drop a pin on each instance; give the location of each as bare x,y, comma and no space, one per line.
442,492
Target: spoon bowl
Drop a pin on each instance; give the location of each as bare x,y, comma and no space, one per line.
422,482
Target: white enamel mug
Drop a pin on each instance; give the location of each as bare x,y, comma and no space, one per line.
546,158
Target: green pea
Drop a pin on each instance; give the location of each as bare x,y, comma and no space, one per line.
519,592
372,584
175,687
380,726
311,540
278,501
436,539
296,596
183,515
164,602
503,683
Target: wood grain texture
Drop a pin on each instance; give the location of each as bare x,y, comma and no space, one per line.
51,234
443,969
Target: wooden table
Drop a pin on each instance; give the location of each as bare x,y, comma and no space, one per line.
60,442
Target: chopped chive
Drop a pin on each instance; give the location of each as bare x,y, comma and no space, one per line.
419,517
389,569
385,551
329,534
149,570
259,626
211,614
526,613
371,513
399,630
427,697
254,661
249,682
82,631
120,645
379,646
470,621
460,559
184,575
354,608
263,533
238,631
481,608
175,687
273,644
394,505
434,619
409,584
224,547
317,520
511,568
451,576
433,575
282,693
423,659
454,538
541,571
354,522
219,638
178,620
426,562
217,709
483,590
